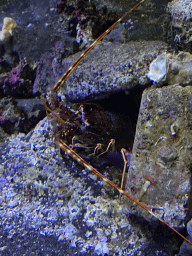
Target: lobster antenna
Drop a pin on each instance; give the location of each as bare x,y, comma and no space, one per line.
72,153
79,159
75,64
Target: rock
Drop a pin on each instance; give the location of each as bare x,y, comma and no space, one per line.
50,68
85,21
40,27
57,199
109,69
12,203
73,208
20,115
34,111
162,152
185,248
3,135
181,27
93,78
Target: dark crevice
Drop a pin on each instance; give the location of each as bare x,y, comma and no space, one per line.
125,107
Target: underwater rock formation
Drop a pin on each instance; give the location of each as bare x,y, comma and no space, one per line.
162,152
20,115
59,199
50,68
84,20
107,69
181,25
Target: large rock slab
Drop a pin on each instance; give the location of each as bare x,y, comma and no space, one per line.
109,69
180,29
57,199
159,173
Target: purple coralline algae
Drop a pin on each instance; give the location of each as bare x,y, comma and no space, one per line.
19,82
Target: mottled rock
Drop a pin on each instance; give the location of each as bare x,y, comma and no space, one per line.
185,248
20,115
53,193
74,207
162,152
181,25
3,135
110,68
58,198
9,115
50,68
107,69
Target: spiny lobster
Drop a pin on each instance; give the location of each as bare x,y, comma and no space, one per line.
70,122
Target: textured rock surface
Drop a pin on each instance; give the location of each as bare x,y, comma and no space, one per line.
162,152
19,82
51,199
111,68
56,198
50,68
181,25
39,26
107,69
20,115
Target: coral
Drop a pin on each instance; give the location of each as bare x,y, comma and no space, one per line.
84,35
19,82
7,31
8,56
